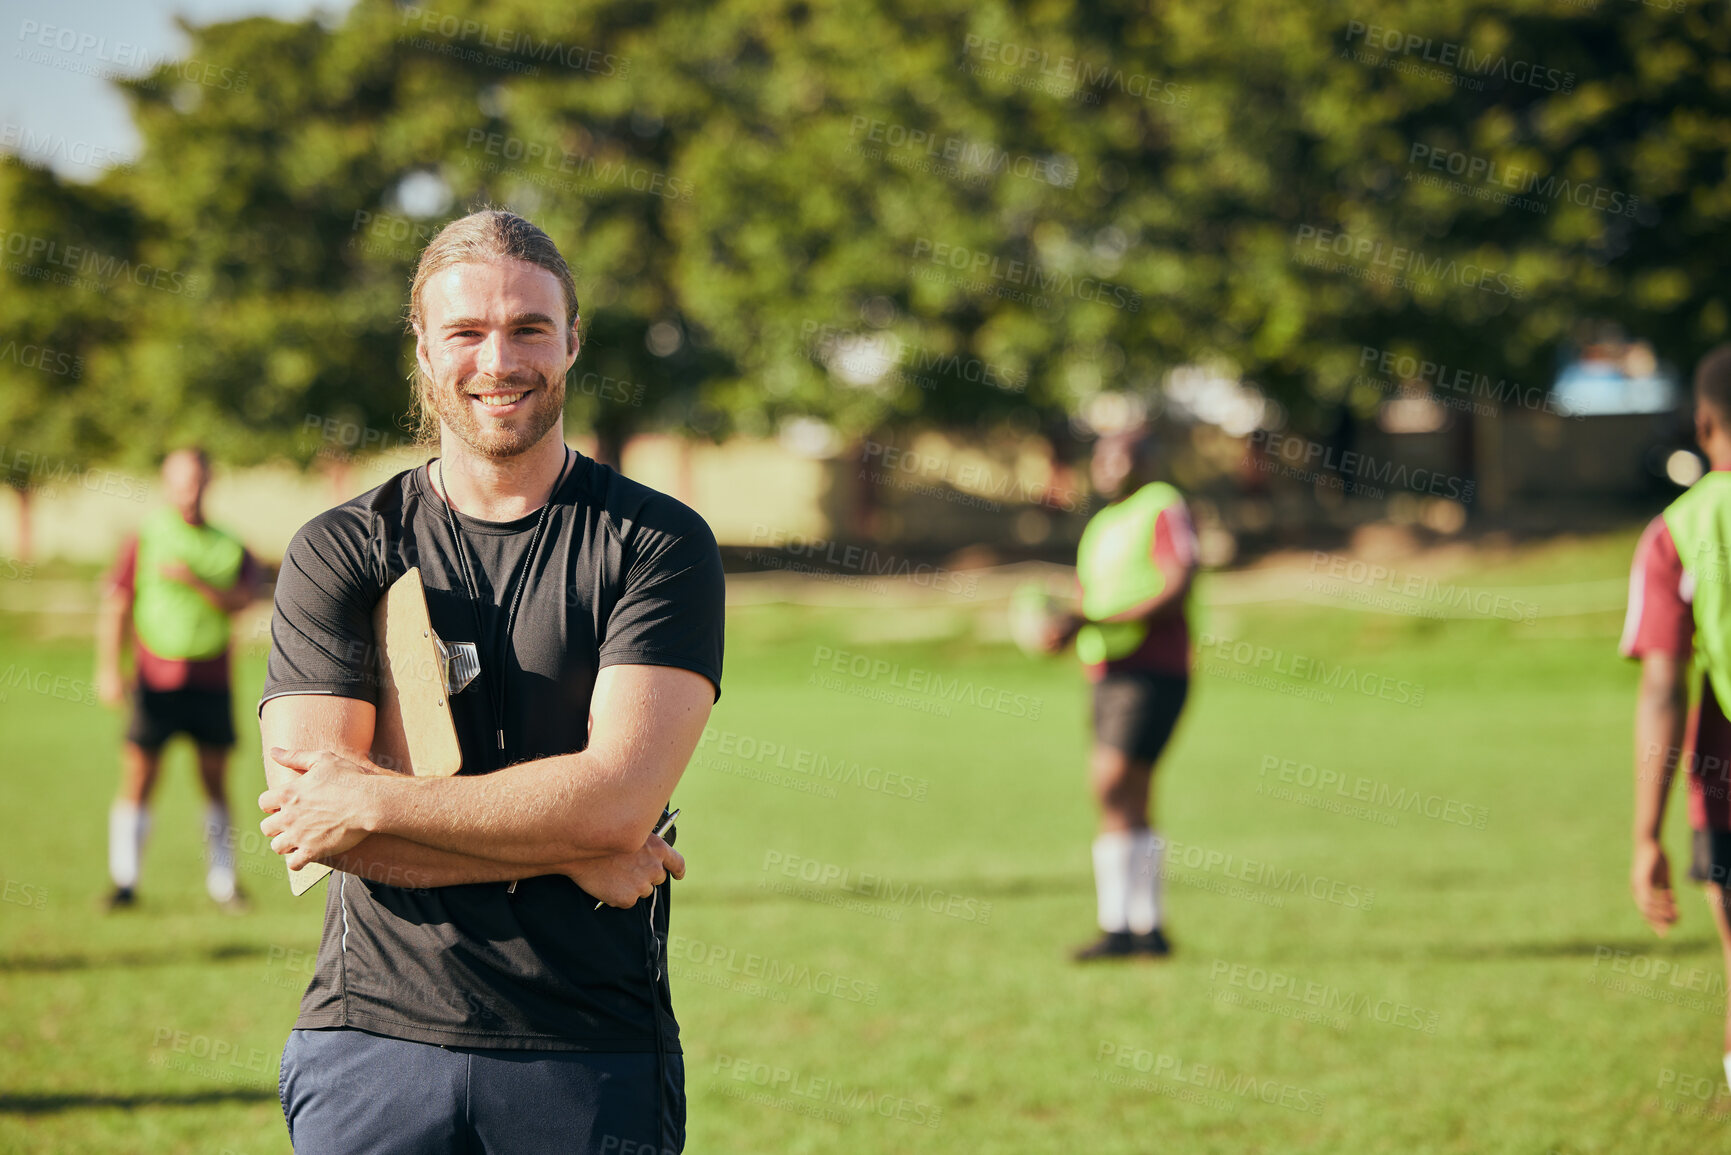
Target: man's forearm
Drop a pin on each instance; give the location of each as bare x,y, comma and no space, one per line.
1659,714
399,862
551,810
1161,603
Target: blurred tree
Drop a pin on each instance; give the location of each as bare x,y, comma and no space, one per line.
888,212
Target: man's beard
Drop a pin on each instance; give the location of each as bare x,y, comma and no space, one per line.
451,402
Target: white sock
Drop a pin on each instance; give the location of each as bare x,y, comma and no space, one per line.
128,827
1111,872
1728,1069
1145,873
219,842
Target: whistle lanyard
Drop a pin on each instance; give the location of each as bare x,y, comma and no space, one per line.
495,674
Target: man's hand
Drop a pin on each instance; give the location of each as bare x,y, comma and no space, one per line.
110,687
1059,630
1650,879
323,811
179,571
622,879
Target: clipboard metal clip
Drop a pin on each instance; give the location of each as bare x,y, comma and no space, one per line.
459,664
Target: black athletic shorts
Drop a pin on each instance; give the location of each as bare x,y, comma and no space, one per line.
158,715
1136,712
1711,861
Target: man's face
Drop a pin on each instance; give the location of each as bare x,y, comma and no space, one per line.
493,349
1111,467
184,479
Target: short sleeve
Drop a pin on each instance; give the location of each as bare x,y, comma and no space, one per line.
1174,540
321,633
1660,619
673,607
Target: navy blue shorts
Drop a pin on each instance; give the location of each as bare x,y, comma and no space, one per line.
351,1091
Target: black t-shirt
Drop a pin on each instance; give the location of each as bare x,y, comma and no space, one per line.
622,575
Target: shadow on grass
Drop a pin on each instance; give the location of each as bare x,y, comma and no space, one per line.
890,886
50,1104
1574,948
34,964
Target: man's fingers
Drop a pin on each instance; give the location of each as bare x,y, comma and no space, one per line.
272,824
295,759
674,862
270,801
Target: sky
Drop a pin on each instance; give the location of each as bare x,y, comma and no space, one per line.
55,103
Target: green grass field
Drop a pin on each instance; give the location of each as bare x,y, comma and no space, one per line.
874,961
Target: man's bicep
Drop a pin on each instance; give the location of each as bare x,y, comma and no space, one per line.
646,721
314,722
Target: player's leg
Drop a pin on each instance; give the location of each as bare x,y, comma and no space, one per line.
129,815
1717,898
219,879
210,720
1133,719
579,1102
347,1092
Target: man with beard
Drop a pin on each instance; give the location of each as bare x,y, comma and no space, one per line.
1134,567
487,978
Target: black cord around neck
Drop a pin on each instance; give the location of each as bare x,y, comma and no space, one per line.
495,676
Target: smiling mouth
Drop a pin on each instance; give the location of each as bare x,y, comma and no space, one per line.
500,400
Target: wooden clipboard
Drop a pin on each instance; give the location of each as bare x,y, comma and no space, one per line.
413,725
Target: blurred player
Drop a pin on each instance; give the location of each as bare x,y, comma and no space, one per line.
173,591
1134,566
1680,602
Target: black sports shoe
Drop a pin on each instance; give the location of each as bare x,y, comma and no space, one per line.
121,898
1153,943
1112,944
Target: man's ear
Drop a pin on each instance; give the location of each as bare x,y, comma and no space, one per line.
574,344
421,358
1705,425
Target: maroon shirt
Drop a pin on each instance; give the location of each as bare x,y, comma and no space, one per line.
1661,620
